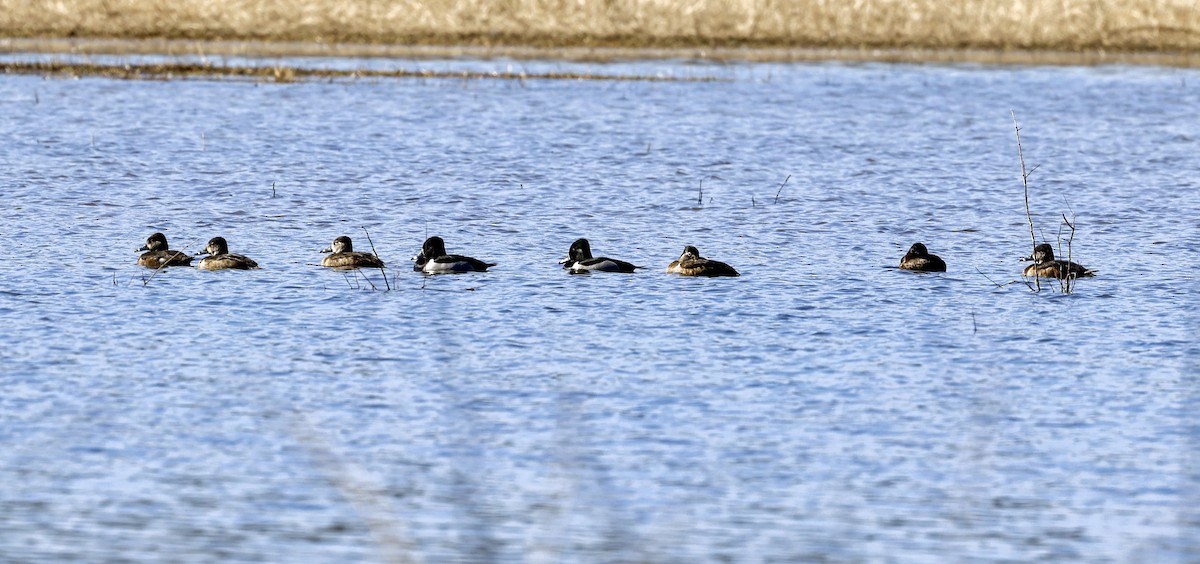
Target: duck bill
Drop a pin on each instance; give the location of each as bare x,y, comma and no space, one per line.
329,250
142,248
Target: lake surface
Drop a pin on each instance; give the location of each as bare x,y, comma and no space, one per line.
822,407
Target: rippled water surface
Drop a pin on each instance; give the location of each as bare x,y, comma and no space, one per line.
823,406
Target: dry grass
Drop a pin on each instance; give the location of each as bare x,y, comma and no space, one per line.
1061,25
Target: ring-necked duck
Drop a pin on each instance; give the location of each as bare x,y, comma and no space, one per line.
434,260
579,259
220,258
1046,266
690,263
919,259
159,255
345,257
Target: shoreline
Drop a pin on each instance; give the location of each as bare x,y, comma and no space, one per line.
276,49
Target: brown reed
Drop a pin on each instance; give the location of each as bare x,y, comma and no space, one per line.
1064,25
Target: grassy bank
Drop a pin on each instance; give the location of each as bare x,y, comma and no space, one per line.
1054,25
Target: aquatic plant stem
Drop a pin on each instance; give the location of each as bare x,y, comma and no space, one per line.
780,190
994,283
1037,284
146,281
1069,280
1024,176
376,253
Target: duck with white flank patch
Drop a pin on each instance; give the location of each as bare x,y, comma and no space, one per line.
434,260
579,259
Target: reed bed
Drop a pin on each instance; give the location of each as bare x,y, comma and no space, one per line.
1058,25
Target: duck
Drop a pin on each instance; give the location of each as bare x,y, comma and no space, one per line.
1046,266
345,257
579,259
158,255
690,263
918,258
221,259
434,260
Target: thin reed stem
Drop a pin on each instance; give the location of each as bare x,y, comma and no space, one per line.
146,281
376,253
1069,280
1024,176
1037,283
780,190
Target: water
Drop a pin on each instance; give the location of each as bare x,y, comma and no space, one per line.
823,406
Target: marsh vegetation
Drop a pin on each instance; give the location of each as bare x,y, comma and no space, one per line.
1064,25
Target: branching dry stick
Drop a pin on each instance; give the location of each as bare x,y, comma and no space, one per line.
1069,280
1025,182
1071,238
1024,176
994,283
376,253
358,273
780,190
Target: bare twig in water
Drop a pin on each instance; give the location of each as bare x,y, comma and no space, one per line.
272,190
358,273
700,196
994,283
1024,176
1025,182
1070,239
146,281
777,192
376,253
1069,279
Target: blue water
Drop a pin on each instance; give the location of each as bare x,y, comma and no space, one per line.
823,406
